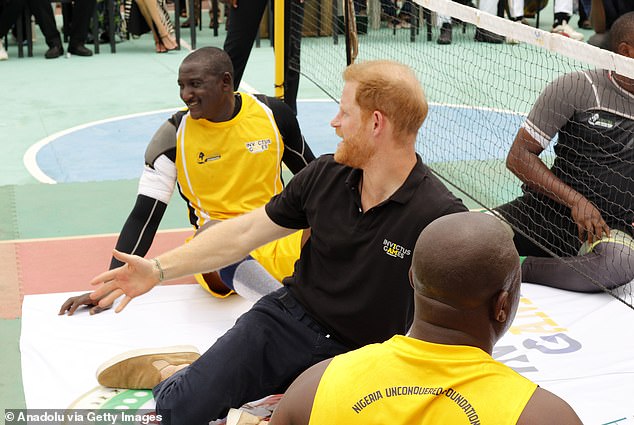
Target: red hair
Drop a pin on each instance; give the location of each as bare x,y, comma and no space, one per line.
391,88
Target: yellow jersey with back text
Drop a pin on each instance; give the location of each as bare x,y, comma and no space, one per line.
406,381
225,169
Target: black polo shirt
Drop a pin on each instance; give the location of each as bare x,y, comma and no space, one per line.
352,275
614,9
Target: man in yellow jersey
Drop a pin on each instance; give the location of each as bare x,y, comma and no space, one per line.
225,154
466,277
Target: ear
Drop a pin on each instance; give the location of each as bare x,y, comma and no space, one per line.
501,308
227,81
411,278
625,49
378,122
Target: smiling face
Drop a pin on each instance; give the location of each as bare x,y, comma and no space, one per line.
351,124
205,94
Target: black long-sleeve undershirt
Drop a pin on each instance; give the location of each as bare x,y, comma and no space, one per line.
140,228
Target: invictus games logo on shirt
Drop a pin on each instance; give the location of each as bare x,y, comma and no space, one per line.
597,121
258,146
395,250
202,158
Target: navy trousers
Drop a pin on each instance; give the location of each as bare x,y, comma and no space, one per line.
267,348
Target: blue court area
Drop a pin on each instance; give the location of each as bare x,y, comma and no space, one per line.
114,149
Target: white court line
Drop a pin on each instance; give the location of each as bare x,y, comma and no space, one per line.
186,45
101,235
325,100
30,156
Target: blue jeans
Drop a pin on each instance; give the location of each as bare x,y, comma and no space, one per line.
267,348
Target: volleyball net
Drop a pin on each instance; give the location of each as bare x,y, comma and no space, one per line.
480,91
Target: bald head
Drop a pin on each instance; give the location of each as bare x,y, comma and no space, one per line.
393,89
464,259
622,31
212,59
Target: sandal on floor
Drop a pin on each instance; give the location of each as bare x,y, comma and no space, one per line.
169,42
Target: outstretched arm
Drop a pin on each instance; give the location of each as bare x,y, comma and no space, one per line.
156,186
523,160
297,403
545,408
217,247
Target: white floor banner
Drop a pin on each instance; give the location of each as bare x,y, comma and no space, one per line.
579,346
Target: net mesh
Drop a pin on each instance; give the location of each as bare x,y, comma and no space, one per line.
480,94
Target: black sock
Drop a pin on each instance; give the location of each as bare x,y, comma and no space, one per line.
560,18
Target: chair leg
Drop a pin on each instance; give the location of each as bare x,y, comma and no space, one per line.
271,27
428,25
537,19
214,16
19,33
95,29
413,29
335,29
26,14
110,6
192,27
199,14
177,23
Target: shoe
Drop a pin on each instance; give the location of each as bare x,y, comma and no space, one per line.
54,52
137,369
79,50
488,36
3,53
242,417
194,18
521,20
187,23
616,236
585,24
211,17
445,34
567,31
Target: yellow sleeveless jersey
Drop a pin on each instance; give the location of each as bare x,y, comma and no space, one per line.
229,168
407,381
